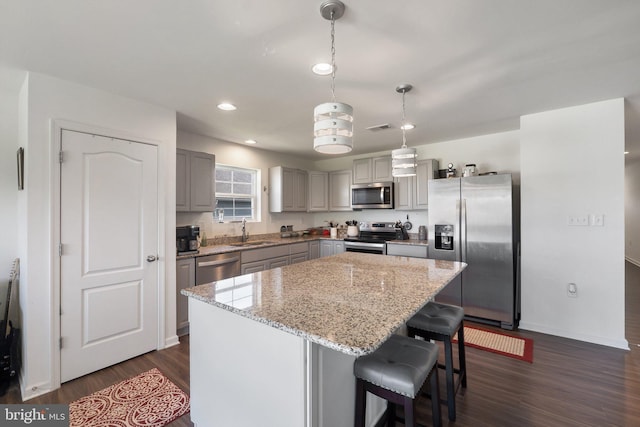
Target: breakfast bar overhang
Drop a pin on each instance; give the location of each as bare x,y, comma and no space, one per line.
276,348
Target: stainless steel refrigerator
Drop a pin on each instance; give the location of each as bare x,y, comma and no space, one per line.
471,220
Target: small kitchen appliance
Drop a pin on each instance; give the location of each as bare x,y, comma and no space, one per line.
377,195
187,239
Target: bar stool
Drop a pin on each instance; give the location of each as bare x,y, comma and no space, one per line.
397,371
440,322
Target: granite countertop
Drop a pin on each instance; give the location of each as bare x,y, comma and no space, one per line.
263,242
351,302
267,241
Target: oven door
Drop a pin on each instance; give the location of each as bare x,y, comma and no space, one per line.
365,247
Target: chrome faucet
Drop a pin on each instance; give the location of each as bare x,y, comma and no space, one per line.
244,229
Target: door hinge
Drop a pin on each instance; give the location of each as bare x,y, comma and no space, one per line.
60,156
59,249
61,343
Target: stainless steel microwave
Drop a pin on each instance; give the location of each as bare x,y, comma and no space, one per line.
377,195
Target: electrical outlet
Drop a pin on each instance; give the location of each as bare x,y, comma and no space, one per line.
597,220
572,290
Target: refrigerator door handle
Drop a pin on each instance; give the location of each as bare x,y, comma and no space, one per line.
458,233
463,230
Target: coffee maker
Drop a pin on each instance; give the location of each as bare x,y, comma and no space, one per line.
187,239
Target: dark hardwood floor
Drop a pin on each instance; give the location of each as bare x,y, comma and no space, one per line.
570,383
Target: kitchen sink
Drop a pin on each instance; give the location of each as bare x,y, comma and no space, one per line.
253,243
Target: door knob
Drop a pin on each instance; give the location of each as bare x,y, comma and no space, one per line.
151,258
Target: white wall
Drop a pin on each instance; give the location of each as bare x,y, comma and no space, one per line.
572,163
632,210
45,99
10,82
247,157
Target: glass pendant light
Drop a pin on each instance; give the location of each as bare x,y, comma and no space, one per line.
403,160
333,121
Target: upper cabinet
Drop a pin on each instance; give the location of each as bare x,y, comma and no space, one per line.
318,196
195,181
372,169
340,190
287,190
412,192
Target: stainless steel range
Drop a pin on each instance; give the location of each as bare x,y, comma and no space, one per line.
374,236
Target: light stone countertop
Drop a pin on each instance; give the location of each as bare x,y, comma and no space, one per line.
351,302
276,241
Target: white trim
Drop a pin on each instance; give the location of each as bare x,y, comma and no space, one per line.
57,126
544,329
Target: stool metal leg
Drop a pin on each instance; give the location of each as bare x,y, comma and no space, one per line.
451,388
461,356
361,403
436,417
409,412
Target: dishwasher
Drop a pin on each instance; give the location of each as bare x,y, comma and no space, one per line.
210,268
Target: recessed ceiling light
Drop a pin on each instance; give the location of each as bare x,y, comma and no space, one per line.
226,106
321,69
251,141
408,126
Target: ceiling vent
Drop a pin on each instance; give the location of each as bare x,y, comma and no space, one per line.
377,128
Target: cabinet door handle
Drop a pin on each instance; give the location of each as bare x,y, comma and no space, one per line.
218,262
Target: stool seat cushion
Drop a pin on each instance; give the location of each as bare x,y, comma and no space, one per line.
400,365
438,318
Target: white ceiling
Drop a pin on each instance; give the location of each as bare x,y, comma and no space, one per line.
476,65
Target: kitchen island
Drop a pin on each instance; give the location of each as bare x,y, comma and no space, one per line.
276,348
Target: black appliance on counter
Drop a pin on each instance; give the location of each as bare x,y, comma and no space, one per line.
187,239
374,236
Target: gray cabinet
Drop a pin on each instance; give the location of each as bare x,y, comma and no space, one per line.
314,249
185,278
372,169
331,247
264,258
261,259
299,252
195,181
411,193
413,251
340,190
287,189
318,194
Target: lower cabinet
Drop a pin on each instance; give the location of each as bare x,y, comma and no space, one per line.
413,251
185,278
267,264
314,249
331,247
299,252
272,257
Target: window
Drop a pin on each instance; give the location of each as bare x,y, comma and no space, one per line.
236,193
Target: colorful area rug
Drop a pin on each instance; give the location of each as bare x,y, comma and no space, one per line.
148,399
499,343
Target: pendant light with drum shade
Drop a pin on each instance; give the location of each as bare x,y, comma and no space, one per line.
403,160
333,121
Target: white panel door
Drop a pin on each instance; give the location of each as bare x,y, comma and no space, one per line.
109,236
